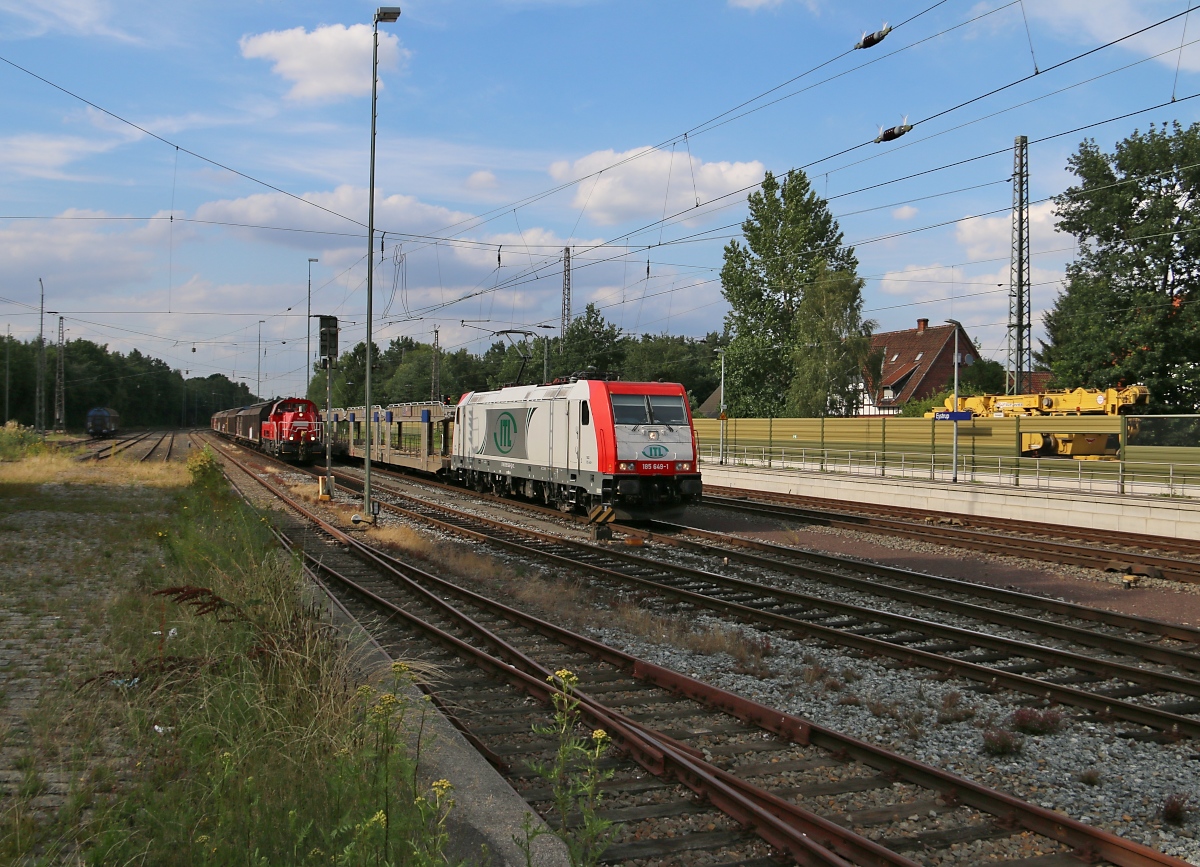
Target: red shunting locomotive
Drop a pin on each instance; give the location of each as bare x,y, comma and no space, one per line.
289,428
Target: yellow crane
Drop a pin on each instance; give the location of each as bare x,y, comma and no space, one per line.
1051,404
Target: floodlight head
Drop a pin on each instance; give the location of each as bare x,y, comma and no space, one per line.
953,322
314,260
387,14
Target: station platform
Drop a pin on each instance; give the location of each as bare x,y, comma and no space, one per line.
1171,517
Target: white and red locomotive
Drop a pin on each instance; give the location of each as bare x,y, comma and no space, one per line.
290,427
582,443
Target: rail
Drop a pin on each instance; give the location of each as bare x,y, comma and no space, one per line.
1127,478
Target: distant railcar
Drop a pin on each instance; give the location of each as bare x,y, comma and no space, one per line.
287,428
103,422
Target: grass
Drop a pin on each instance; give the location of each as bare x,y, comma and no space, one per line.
222,722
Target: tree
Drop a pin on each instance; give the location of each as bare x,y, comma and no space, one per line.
790,239
1128,313
671,358
832,347
592,344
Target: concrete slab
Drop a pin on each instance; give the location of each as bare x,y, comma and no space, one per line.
1172,518
488,812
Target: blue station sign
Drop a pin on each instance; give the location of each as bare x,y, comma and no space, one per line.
953,416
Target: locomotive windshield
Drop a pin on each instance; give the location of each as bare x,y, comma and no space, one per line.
638,409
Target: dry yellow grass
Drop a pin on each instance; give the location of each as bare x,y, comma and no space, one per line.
65,469
453,556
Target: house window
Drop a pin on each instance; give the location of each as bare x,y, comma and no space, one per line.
919,354
894,357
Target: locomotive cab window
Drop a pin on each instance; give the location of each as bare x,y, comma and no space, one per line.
667,409
585,413
638,409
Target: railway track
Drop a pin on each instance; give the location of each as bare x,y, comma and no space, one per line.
697,748
1095,549
1133,658
116,447
161,448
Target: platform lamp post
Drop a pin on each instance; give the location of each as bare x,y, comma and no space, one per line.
954,454
721,352
308,332
386,15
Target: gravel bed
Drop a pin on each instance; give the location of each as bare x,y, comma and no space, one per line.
935,549
899,710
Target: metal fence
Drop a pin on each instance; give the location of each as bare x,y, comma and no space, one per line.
988,452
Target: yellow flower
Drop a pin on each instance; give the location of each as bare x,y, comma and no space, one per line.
565,676
399,667
442,787
203,838
599,736
365,691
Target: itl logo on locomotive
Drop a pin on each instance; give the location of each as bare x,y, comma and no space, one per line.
655,451
506,427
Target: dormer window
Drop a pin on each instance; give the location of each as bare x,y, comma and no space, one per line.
894,357
919,354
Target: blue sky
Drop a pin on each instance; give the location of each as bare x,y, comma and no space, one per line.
486,106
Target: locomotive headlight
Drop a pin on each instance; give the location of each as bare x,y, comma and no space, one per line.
653,434
683,467
626,466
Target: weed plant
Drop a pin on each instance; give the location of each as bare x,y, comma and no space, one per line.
17,442
574,777
254,743
1035,721
1001,742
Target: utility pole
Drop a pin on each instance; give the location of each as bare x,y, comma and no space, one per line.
1017,380
7,366
39,409
435,390
566,300
721,352
258,385
60,384
308,365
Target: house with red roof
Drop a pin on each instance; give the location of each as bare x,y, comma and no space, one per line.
917,363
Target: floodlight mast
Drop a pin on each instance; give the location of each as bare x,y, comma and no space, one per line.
387,15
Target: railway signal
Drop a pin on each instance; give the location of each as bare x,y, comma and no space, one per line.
328,347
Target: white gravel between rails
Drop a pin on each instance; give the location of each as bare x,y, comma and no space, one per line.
898,708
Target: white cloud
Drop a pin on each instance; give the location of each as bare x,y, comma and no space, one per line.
992,236
637,188
1098,21
904,212
46,156
481,180
78,17
327,63
395,213
754,5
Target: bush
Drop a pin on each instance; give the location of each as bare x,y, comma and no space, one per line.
204,468
1001,742
17,442
1032,721
1175,808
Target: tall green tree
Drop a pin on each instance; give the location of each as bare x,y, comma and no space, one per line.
791,238
832,347
1129,312
592,345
